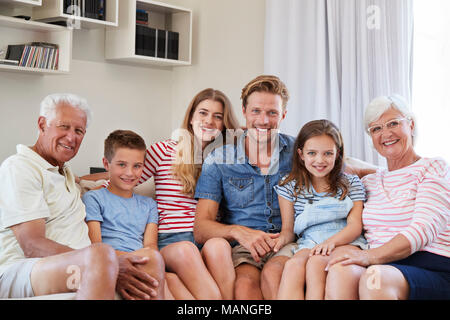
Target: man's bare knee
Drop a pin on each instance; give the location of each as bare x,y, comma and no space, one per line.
247,285
274,268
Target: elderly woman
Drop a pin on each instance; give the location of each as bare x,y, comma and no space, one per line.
406,218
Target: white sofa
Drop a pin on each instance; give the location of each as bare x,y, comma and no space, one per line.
145,189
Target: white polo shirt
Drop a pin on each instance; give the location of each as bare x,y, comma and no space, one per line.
31,189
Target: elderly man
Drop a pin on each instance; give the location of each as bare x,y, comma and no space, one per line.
45,244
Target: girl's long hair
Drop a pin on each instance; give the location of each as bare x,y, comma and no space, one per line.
299,173
185,168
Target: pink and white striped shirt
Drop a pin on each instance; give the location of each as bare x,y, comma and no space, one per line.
413,201
176,210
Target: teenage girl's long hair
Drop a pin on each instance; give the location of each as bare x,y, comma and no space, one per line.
185,168
299,173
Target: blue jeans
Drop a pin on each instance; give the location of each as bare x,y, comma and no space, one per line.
164,239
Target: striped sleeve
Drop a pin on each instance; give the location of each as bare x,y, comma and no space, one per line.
286,191
356,191
153,157
432,207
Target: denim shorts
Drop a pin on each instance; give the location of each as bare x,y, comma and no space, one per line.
428,275
164,239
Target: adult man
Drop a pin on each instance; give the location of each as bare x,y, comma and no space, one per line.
240,178
45,244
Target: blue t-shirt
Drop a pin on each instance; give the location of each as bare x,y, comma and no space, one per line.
123,220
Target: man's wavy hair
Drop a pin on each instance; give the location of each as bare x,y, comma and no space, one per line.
266,83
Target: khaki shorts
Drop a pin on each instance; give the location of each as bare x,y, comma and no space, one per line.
15,280
242,255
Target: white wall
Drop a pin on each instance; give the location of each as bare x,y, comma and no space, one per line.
227,52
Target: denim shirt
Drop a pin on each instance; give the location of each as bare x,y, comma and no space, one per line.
246,196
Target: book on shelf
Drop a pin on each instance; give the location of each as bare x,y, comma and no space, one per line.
141,17
42,55
161,48
93,9
145,41
14,52
173,39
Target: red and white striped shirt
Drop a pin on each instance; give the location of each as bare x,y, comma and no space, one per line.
176,210
413,201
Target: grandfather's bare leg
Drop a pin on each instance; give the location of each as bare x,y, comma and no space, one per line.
91,272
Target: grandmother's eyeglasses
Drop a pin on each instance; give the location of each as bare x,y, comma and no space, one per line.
391,125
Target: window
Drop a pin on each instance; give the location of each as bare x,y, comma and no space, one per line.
431,77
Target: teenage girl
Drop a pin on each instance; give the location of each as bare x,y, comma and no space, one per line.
322,205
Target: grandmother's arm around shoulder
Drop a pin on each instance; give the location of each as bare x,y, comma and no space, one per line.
359,167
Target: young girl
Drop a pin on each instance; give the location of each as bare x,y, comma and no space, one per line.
321,205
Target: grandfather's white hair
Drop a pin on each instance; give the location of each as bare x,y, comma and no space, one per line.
52,101
380,105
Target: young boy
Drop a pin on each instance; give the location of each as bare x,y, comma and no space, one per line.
116,216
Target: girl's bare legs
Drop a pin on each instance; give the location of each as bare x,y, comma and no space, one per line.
217,256
316,277
343,281
175,289
184,259
292,285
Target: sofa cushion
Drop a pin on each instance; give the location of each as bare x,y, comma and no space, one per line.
145,189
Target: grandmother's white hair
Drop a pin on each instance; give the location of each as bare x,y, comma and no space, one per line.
380,105
52,101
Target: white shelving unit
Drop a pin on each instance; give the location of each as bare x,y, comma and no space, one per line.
53,10
18,7
19,31
22,2
120,42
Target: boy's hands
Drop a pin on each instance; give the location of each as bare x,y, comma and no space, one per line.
132,282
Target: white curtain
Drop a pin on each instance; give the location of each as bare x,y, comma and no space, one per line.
431,94
337,55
